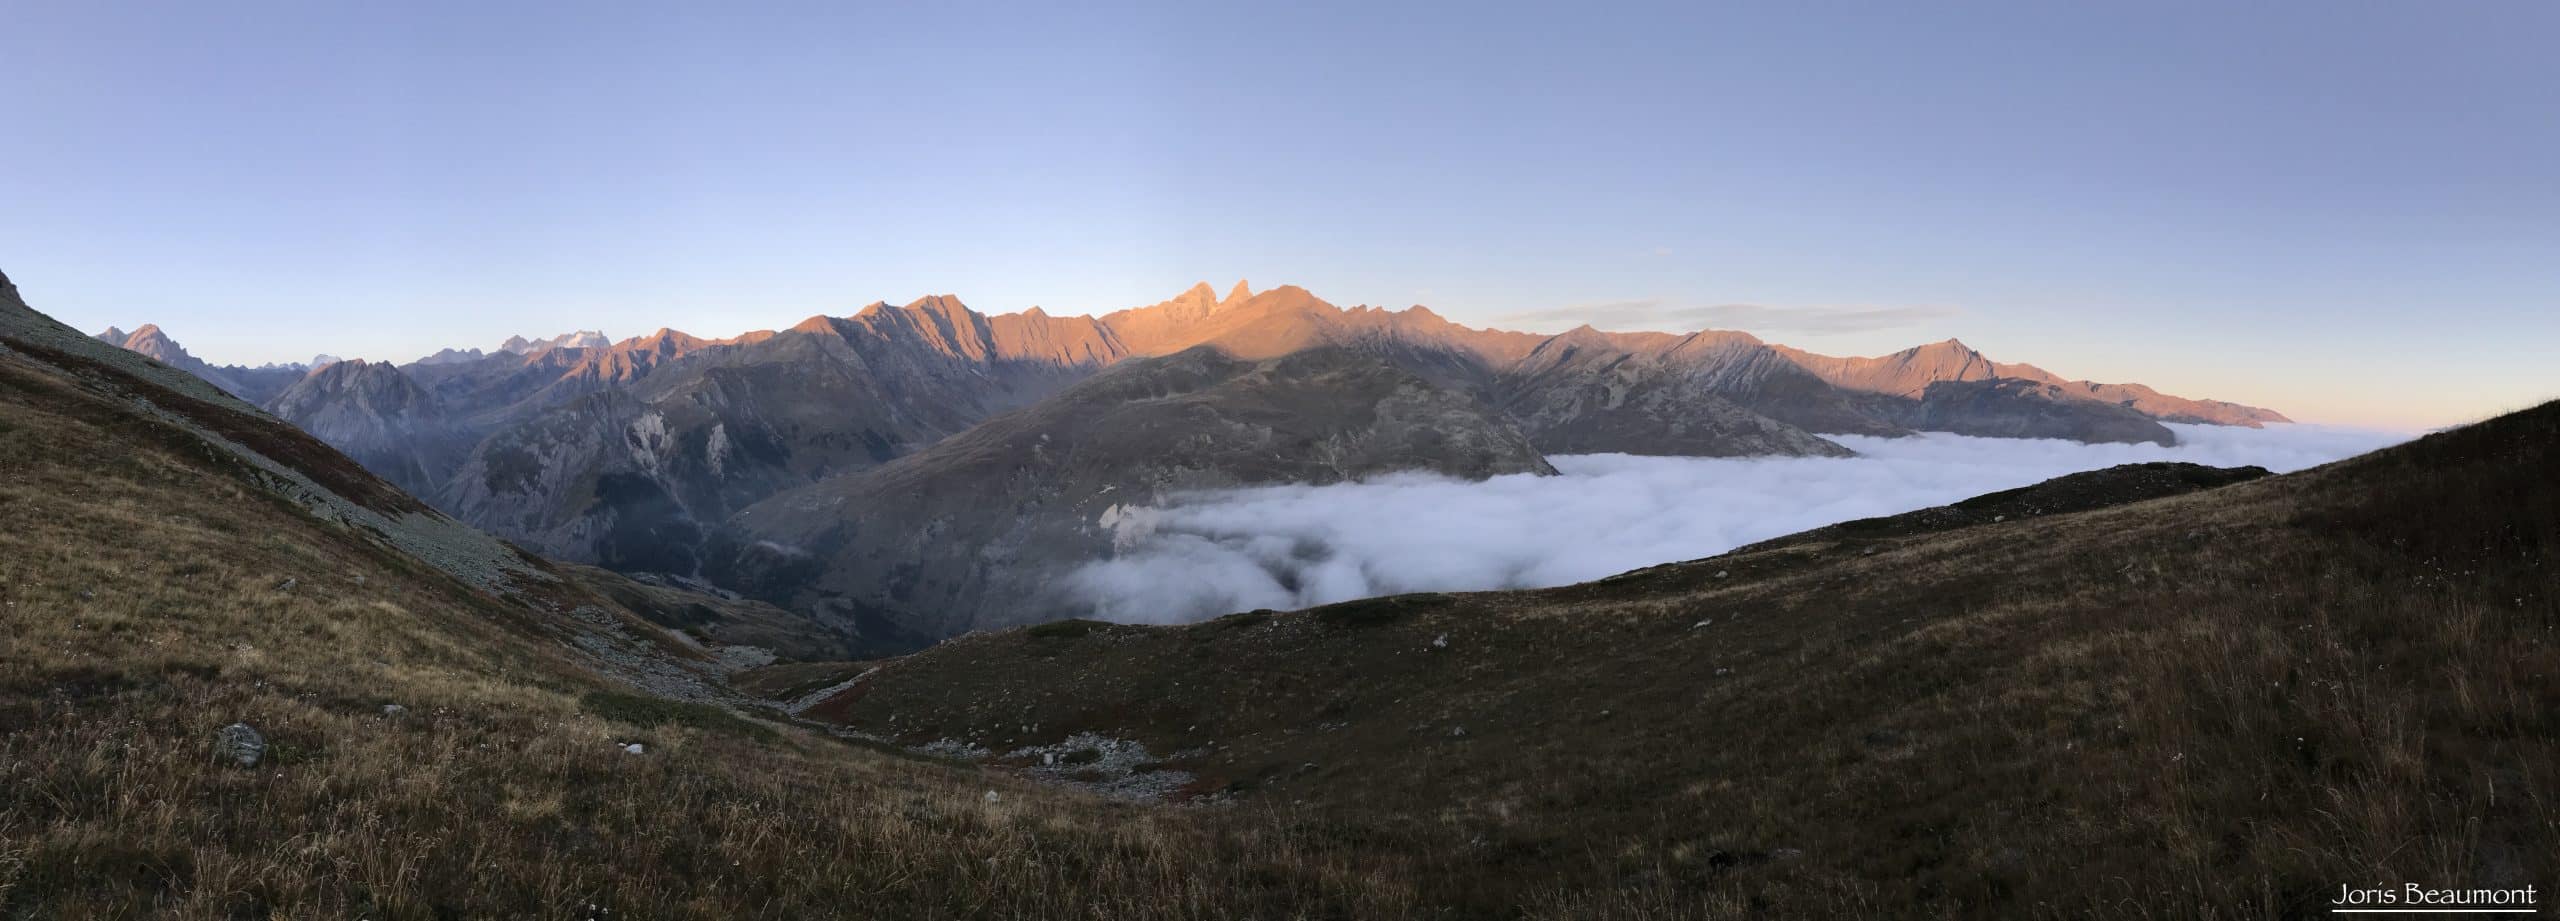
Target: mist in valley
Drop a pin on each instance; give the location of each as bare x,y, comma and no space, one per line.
1288,547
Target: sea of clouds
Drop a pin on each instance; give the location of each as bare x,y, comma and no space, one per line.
1207,554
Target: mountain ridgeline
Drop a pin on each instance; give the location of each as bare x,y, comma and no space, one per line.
820,466
245,677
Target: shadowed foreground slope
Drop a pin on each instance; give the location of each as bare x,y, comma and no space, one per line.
2221,703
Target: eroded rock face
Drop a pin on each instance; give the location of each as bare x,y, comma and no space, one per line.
381,417
971,532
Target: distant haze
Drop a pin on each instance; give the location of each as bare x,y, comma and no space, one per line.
1289,547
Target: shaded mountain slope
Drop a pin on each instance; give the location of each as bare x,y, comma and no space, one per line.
975,530
1582,393
667,436
2010,407
2224,700
378,416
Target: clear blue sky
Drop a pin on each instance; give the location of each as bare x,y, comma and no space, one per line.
2349,211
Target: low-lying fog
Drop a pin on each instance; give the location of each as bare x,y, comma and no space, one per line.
1294,546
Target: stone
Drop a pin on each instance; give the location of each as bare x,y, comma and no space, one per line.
241,744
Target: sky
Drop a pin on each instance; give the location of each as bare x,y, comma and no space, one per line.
2346,211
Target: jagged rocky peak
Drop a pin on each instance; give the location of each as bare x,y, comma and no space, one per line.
150,340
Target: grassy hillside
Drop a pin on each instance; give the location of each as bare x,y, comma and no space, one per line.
2224,703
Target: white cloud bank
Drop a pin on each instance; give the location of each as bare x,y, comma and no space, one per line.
1288,547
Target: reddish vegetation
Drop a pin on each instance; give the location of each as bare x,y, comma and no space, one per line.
283,444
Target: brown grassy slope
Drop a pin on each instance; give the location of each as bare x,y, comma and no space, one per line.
144,606
2219,704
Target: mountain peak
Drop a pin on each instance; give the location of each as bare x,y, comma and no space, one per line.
1243,291
938,303
1945,348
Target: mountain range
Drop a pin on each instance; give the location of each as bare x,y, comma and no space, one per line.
244,676
742,459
